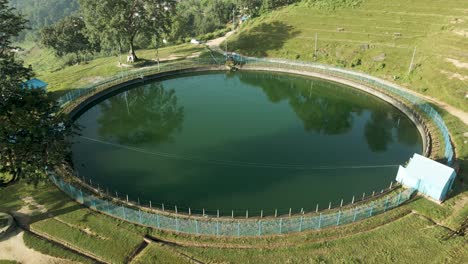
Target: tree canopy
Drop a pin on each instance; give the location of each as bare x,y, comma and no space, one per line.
33,134
117,23
42,13
67,36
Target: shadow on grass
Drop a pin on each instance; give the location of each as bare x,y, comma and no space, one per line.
263,38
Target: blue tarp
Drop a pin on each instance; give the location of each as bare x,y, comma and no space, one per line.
429,177
35,84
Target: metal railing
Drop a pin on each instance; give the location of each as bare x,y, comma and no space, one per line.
235,227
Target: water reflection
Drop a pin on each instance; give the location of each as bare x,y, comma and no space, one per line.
333,110
145,114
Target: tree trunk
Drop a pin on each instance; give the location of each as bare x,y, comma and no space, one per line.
132,51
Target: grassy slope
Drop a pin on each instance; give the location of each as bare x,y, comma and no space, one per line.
284,34
51,249
370,31
158,254
49,68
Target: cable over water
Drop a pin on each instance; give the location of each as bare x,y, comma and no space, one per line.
233,163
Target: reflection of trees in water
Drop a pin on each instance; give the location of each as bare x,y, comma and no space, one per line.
327,111
140,115
379,130
330,110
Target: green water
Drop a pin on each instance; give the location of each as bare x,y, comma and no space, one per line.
243,141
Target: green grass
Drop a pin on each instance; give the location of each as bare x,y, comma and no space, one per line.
155,253
92,233
48,248
50,69
289,33
8,262
367,32
408,240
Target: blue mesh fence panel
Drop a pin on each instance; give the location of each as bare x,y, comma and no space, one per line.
233,227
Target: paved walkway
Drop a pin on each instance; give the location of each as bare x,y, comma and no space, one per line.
14,249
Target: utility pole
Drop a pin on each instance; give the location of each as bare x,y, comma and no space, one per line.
316,40
412,61
157,50
233,19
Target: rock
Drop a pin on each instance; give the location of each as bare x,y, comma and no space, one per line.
364,46
465,134
397,34
340,29
380,57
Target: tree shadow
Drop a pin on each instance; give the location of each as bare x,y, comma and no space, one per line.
264,37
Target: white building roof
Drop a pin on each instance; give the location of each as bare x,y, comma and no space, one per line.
429,170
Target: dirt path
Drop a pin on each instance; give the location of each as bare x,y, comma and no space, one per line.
462,115
214,44
14,249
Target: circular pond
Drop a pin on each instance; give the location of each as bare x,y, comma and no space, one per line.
249,140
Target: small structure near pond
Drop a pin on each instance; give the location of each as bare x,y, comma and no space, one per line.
428,177
35,84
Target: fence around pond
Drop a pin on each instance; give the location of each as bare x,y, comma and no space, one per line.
235,227
221,226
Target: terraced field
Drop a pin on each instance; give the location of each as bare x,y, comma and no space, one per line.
378,37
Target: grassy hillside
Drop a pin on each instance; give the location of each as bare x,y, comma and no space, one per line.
377,37
61,78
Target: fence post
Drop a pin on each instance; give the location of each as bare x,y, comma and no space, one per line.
281,226
338,220
300,224
316,208
217,228
399,198
352,201
177,224
320,221
238,229
124,215
260,228
371,209
158,222
386,204
196,227
81,195
139,213
355,214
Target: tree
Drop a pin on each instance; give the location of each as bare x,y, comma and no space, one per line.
67,36
117,23
12,71
33,135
